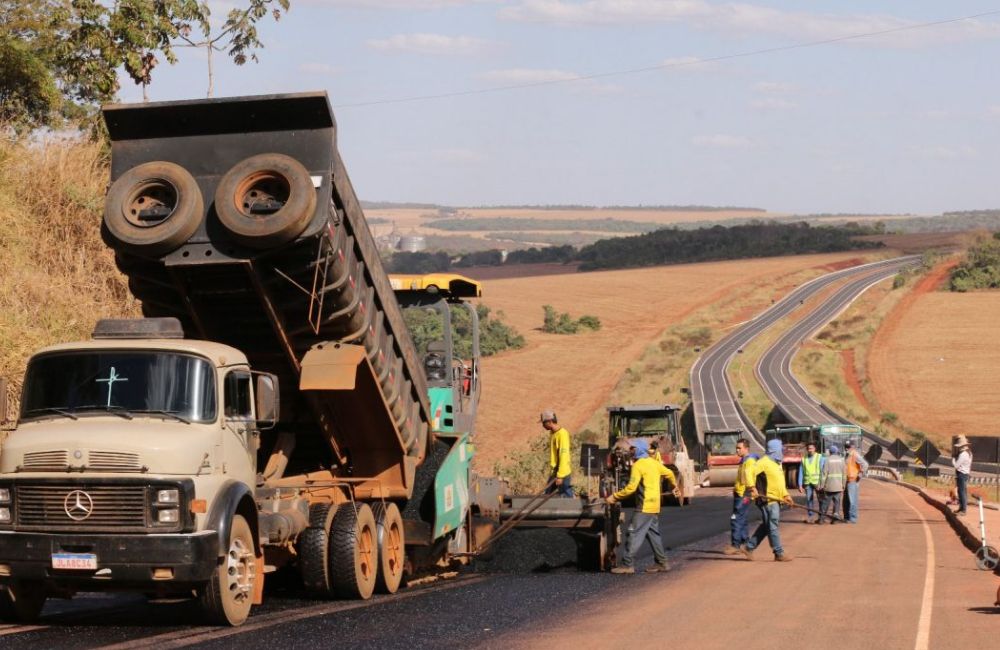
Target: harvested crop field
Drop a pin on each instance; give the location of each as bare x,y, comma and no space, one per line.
576,373
934,361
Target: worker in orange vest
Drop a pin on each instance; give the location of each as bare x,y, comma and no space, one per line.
856,466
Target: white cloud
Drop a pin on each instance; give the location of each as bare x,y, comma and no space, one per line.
429,44
722,141
316,68
748,19
529,75
398,4
942,152
775,87
772,104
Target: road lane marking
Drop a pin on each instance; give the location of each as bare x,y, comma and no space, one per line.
927,602
186,637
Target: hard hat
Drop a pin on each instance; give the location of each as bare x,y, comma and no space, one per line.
548,416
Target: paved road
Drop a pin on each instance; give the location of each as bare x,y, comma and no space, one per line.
712,398
898,579
774,369
531,577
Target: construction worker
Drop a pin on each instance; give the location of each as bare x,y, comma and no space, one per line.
559,456
809,471
831,484
741,498
644,482
855,467
769,492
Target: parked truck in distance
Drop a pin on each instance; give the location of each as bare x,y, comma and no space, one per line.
795,437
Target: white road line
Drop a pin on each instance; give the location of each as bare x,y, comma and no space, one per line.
927,602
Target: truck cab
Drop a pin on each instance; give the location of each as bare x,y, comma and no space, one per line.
132,454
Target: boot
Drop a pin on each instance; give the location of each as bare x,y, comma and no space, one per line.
658,568
623,570
732,550
747,553
784,557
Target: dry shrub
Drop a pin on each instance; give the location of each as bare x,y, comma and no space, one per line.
56,275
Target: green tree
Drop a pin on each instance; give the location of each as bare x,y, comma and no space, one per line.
60,58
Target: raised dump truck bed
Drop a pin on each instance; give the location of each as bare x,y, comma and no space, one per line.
237,217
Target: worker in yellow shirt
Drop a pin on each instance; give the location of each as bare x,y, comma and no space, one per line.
741,498
644,482
769,492
559,456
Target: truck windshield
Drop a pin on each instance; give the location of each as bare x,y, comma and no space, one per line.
722,444
633,425
119,381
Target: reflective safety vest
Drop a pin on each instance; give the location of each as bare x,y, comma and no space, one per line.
810,470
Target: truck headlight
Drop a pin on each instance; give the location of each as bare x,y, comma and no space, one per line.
4,495
168,496
168,516
4,515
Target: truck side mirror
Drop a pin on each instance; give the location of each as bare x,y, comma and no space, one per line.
268,402
4,403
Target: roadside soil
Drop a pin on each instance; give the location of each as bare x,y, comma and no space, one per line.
575,374
934,360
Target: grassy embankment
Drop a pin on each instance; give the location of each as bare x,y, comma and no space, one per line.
657,375
833,366
56,275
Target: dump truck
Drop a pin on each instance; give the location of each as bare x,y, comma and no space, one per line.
723,463
795,437
658,424
269,410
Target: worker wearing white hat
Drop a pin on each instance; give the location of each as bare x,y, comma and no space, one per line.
961,459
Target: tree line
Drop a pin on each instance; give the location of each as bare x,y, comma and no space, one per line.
666,246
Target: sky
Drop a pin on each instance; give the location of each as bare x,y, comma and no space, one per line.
481,102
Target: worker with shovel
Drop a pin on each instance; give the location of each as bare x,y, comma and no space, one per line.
769,492
644,482
559,456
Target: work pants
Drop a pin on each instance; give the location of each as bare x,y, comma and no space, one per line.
812,495
770,515
738,521
828,498
642,527
962,481
851,502
564,491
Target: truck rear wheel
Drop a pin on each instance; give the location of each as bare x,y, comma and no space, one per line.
391,547
153,208
354,551
227,597
314,550
22,601
265,200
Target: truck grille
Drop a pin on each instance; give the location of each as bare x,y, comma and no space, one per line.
48,507
41,461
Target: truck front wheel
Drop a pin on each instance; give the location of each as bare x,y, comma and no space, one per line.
22,601
228,595
354,551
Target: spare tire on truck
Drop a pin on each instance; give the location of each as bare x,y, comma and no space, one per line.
153,208
265,200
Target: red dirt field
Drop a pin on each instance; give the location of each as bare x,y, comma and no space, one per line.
575,374
934,360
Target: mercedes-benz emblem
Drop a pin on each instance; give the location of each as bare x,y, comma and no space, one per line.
78,505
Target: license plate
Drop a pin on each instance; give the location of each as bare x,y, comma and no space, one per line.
82,561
